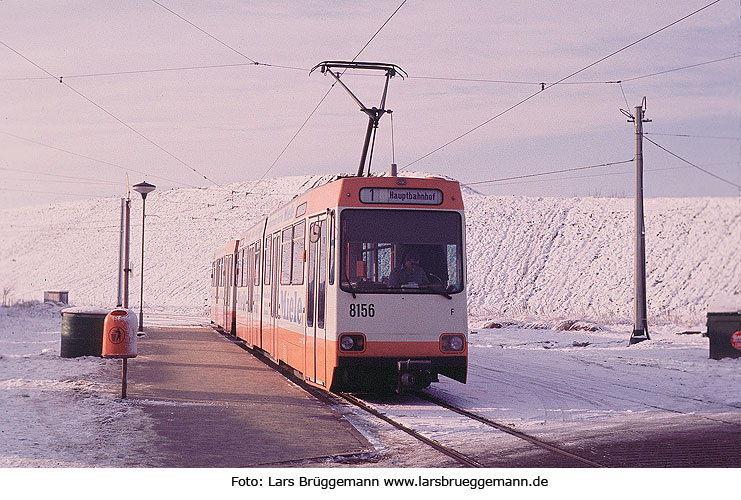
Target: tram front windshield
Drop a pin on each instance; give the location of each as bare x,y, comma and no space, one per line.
401,251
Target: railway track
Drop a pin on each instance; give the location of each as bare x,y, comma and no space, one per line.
702,444
446,450
460,457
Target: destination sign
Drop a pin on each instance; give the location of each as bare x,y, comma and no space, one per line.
401,196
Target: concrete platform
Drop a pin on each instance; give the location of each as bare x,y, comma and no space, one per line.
213,404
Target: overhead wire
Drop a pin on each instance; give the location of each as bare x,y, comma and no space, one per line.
379,30
411,77
734,56
127,169
206,32
84,180
695,136
551,172
254,62
738,186
89,100
545,87
625,98
591,82
324,97
152,70
16,190
218,40
603,174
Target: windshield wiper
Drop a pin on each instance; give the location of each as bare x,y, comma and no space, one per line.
442,290
352,291
422,289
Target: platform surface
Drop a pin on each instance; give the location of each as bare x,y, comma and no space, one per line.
213,404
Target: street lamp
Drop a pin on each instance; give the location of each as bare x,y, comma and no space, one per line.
143,188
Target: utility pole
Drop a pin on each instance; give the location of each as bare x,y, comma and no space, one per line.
123,254
127,247
640,323
119,299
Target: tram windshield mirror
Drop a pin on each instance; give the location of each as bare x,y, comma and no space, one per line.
375,244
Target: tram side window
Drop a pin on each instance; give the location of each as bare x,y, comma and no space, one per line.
240,268
268,260
246,268
321,294
285,256
256,281
250,254
310,278
297,271
229,276
292,255
331,247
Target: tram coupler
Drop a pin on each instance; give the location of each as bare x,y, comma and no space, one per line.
414,374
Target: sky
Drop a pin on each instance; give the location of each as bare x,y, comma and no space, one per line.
168,91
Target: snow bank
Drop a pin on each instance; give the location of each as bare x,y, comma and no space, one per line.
547,258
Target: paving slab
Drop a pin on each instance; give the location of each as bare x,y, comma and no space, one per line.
213,404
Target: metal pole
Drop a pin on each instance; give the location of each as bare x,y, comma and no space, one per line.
141,273
127,247
119,297
640,323
124,371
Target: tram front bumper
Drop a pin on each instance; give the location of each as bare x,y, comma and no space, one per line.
369,373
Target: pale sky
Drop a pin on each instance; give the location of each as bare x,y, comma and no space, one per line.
126,104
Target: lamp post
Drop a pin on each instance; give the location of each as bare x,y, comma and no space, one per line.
143,188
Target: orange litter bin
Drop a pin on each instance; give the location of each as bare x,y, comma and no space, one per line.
119,334
119,340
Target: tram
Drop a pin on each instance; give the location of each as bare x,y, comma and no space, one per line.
359,284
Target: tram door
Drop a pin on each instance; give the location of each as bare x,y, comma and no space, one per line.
270,340
316,290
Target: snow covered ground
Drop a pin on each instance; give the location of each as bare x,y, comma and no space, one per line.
550,306
65,412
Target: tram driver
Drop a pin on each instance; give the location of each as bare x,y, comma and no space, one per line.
409,271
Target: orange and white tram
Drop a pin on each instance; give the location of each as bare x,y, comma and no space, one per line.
358,284
223,291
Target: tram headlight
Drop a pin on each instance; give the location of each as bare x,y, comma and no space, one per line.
352,342
347,343
452,342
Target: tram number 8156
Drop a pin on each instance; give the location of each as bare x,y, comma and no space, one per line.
362,310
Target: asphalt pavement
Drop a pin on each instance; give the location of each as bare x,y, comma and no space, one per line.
213,404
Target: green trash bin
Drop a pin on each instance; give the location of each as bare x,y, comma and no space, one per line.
82,331
724,327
